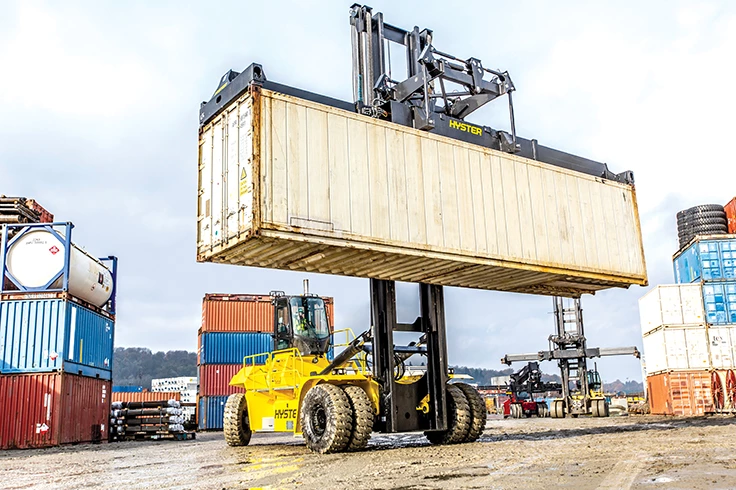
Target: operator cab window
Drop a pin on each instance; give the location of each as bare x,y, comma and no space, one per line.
309,318
282,329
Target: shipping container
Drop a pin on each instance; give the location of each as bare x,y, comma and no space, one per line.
210,412
244,313
730,209
711,258
44,335
683,348
127,389
722,344
672,305
292,184
179,383
146,396
232,347
719,299
49,409
214,379
685,393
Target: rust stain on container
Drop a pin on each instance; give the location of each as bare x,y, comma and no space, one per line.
49,409
244,313
146,396
684,393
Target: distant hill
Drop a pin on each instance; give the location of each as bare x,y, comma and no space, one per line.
480,375
627,387
138,365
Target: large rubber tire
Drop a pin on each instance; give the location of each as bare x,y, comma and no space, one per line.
235,422
458,419
326,419
362,417
558,409
541,409
477,411
594,408
703,208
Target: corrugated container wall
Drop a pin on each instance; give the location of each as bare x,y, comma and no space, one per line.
291,184
126,389
49,409
671,348
708,259
244,313
730,209
146,396
214,379
719,299
680,393
231,347
44,335
211,410
671,305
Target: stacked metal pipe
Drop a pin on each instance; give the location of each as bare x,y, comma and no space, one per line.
21,210
141,419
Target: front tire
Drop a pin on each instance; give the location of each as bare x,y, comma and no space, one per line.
236,424
458,419
478,412
362,417
326,419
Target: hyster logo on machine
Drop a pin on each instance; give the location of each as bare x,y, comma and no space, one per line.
286,413
468,128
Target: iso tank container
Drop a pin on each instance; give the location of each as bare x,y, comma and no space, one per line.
232,347
57,334
711,258
49,409
292,184
214,379
211,412
244,313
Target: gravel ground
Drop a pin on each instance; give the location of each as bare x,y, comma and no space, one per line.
643,452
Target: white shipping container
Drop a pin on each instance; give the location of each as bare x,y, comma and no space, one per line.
671,305
292,184
677,348
722,341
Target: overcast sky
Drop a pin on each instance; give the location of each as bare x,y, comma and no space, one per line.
99,105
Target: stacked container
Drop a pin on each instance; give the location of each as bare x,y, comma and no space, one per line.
186,386
57,319
233,326
689,330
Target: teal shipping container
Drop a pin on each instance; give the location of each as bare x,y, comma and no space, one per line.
55,334
232,347
706,260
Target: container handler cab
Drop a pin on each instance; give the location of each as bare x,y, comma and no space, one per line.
336,404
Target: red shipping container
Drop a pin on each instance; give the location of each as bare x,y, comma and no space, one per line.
731,215
244,313
214,379
146,396
49,409
43,215
683,393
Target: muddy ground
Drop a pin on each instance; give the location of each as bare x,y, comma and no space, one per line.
624,452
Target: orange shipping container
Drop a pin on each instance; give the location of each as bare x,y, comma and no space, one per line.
243,313
146,396
683,393
731,215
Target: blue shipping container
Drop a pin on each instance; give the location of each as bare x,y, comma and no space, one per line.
211,412
127,389
719,299
232,347
707,260
45,335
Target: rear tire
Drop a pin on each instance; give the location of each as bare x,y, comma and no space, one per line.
541,409
235,423
477,411
326,419
458,419
362,417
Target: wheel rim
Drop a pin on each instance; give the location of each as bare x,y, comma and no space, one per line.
319,420
731,386
717,388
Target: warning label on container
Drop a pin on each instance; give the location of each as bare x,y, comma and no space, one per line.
54,250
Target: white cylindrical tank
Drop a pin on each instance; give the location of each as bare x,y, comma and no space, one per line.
38,256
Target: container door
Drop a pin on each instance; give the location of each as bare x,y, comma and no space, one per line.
204,214
242,218
654,351
697,348
671,305
728,258
676,348
692,304
218,182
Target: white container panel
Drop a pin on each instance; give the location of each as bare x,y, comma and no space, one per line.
721,341
325,190
671,305
675,346
655,353
698,355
